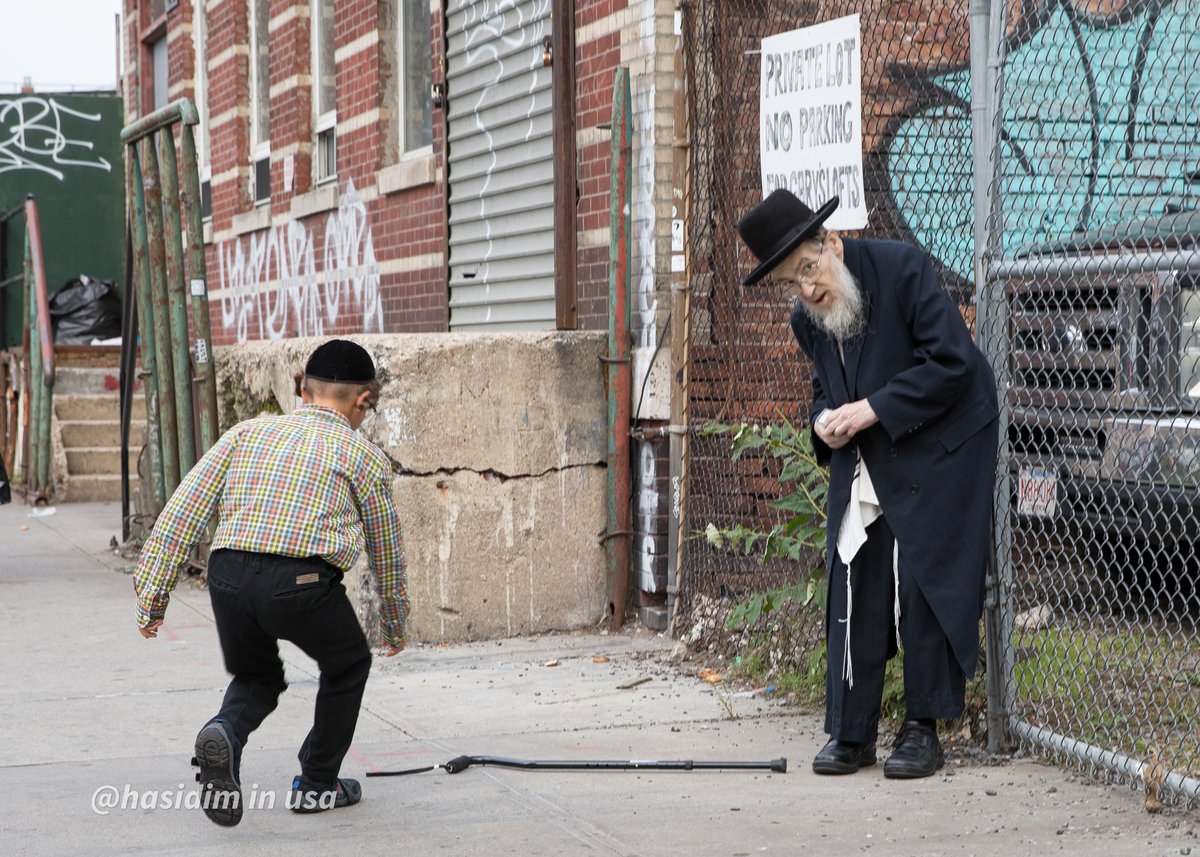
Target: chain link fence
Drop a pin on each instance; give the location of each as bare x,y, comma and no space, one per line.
1088,318
744,365
1091,309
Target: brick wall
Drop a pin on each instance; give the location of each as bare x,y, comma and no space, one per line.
363,254
367,253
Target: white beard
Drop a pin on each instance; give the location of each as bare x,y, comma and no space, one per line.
844,321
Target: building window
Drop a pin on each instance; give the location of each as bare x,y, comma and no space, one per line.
260,100
324,91
203,144
416,108
158,53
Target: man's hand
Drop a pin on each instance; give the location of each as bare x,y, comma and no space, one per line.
838,426
150,630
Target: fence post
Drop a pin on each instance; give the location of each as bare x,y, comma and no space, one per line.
41,355
176,300
150,371
34,356
618,375
168,418
206,370
680,335
990,333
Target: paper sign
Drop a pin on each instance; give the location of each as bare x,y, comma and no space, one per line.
810,114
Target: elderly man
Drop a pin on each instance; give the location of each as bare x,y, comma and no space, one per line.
905,417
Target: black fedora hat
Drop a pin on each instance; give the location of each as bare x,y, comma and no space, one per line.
777,226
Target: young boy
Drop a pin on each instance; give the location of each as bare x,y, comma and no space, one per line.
297,495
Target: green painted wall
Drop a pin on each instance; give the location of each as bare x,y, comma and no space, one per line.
65,149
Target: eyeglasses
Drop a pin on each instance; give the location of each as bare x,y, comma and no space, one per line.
808,271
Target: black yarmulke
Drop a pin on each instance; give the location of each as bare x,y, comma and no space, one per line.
341,361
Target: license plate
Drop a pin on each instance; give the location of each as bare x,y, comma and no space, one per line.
1037,492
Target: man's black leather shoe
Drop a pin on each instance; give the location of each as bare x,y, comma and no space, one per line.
844,757
918,753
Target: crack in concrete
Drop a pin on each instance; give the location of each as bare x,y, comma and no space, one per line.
489,473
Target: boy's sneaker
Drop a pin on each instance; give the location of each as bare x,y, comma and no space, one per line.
220,792
309,797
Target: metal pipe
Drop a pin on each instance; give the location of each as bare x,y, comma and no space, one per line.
984,174
168,424
205,368
1110,759
128,372
1100,263
5,282
11,213
141,253
680,345
44,347
39,411
33,232
181,110
982,167
619,378
992,315
177,303
566,288
33,355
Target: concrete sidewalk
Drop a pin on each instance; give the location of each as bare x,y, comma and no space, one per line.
94,711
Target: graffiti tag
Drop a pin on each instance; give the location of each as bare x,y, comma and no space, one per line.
33,137
274,285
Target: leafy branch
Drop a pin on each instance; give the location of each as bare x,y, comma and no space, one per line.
802,532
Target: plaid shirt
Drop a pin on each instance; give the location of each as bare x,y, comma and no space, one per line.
304,484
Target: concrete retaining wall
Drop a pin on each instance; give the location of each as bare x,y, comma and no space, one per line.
498,443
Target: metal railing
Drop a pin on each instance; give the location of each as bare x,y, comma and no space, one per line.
164,194
32,456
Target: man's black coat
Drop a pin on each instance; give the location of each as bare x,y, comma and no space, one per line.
932,455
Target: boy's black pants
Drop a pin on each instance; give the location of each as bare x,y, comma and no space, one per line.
259,599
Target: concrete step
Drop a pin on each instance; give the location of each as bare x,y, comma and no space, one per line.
78,380
89,433
99,460
90,406
96,487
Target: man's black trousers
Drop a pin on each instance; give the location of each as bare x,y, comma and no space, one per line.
259,599
934,682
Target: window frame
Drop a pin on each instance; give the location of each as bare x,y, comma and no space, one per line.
426,149
260,143
203,135
324,124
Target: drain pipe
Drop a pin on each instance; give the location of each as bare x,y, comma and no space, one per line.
618,376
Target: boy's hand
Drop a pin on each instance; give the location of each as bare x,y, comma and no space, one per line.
150,630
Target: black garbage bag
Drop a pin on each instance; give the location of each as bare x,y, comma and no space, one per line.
85,309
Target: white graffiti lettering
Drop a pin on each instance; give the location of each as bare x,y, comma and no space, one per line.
647,505
32,137
644,220
272,285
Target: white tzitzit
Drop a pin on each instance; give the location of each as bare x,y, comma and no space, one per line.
861,512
